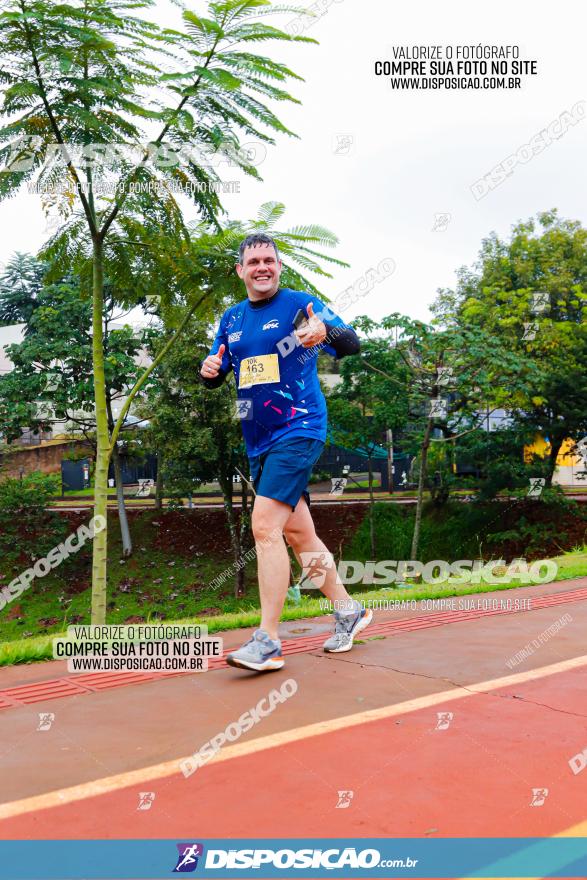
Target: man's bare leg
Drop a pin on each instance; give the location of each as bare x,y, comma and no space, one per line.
271,521
300,534
351,618
268,522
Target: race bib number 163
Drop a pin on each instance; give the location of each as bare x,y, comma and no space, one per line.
260,370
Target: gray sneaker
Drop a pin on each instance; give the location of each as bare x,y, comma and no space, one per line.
345,629
260,653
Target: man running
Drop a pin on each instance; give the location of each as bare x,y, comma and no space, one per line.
283,415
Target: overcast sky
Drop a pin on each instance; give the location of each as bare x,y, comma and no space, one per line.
413,154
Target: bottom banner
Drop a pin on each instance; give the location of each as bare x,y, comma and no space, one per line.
360,857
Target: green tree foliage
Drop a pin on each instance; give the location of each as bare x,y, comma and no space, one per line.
435,384
530,292
197,435
20,282
92,72
369,399
497,456
26,526
51,380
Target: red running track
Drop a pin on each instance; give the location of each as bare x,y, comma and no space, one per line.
408,778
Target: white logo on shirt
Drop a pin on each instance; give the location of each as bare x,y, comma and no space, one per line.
234,337
271,325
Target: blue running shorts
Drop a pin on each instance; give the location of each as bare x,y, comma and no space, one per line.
283,472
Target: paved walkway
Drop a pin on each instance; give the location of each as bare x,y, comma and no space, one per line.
426,723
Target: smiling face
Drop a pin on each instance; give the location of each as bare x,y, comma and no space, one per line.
260,270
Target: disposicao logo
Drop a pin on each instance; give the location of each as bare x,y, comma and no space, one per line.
187,860
271,325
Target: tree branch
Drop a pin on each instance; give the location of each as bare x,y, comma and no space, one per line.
120,201
453,436
142,379
387,376
53,123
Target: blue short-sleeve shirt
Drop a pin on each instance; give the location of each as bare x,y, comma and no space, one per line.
294,405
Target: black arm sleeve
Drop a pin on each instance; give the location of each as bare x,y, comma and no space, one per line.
213,383
343,340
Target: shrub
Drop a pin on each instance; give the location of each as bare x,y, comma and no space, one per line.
26,526
529,527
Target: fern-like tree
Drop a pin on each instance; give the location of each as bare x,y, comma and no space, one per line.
116,112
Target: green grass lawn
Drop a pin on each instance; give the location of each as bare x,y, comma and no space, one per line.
175,603
178,554
153,582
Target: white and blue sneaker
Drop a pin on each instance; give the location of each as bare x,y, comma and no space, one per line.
346,627
260,653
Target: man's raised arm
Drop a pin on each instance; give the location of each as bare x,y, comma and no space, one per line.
215,368
212,372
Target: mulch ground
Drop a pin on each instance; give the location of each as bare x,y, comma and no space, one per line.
181,531
204,532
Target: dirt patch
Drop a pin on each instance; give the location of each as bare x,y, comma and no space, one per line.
75,585
15,613
198,532
189,533
76,518
337,525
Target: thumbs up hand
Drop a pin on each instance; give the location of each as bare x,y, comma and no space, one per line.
313,332
212,364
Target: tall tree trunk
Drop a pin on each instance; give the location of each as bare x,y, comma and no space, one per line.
235,541
239,587
245,542
122,517
100,546
245,519
371,509
421,483
390,468
159,482
555,448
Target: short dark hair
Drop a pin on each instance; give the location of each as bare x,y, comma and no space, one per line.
252,241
